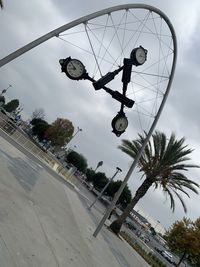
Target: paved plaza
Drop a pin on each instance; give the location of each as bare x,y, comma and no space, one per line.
44,222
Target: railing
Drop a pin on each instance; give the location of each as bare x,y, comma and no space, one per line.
20,137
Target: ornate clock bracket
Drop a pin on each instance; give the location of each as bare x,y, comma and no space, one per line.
75,70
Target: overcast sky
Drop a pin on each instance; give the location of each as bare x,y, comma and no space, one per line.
37,82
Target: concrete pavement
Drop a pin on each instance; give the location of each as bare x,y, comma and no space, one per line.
44,223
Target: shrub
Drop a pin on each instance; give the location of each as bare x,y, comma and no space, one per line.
150,258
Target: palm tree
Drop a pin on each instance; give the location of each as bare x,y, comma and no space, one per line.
162,164
1,3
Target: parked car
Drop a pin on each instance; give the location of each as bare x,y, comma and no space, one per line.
88,185
158,250
168,256
130,225
144,238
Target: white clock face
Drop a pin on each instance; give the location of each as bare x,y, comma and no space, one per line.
75,68
140,55
121,124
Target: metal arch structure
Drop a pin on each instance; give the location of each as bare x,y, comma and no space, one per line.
56,32
84,19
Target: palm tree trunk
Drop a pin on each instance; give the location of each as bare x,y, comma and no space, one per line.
116,225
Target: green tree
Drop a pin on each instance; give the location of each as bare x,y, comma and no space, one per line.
35,121
183,238
60,131
39,128
2,100
100,180
12,105
90,175
1,3
78,160
162,164
125,197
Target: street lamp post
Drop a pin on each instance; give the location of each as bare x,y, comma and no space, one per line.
4,90
78,130
100,163
100,195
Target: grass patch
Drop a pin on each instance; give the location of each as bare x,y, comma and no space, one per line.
150,258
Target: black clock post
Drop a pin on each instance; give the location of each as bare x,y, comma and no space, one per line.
75,70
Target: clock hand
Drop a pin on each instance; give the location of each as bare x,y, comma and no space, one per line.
120,126
74,68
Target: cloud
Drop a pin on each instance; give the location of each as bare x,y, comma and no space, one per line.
38,82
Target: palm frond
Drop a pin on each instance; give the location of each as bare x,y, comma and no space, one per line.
163,162
183,167
181,200
172,202
182,179
163,145
179,188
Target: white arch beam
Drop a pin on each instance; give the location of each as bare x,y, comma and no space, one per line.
76,22
84,19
